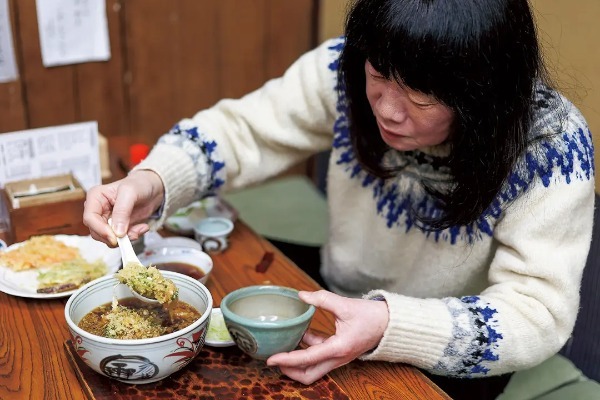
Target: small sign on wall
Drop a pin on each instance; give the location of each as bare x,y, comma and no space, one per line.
73,31
54,150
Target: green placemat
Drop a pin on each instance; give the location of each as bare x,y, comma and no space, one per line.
554,379
289,209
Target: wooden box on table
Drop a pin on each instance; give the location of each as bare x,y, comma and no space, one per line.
45,206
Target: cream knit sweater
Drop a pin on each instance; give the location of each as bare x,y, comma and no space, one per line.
494,297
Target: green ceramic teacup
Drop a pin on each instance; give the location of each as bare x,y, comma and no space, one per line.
266,320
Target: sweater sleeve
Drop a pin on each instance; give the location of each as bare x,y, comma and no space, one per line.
528,311
240,142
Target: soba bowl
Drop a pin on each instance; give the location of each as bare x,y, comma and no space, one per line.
265,320
138,361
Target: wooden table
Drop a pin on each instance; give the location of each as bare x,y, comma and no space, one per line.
34,365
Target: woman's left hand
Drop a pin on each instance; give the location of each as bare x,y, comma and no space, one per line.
359,326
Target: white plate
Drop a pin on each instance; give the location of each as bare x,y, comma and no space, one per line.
184,220
24,283
216,320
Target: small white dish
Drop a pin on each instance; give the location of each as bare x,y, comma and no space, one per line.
185,218
185,260
217,335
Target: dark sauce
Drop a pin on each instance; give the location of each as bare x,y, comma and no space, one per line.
182,268
175,316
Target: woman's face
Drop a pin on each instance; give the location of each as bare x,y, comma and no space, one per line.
407,119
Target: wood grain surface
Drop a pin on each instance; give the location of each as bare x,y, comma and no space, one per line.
34,365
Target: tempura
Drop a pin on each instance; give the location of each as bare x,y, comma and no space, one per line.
148,281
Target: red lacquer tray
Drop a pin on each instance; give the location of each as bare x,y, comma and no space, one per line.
216,373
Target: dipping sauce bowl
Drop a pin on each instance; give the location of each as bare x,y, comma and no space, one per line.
184,260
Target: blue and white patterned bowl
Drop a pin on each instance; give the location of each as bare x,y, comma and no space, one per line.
138,361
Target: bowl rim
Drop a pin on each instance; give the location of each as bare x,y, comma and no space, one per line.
139,342
269,289
228,226
191,250
173,241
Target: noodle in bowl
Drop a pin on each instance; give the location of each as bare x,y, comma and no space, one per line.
138,361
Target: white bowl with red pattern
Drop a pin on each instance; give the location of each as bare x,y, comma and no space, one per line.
138,361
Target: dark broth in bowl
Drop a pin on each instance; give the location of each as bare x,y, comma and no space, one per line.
175,316
183,268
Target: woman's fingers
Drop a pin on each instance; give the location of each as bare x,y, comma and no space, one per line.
123,207
99,229
312,373
98,204
312,339
351,339
308,365
325,300
318,353
135,231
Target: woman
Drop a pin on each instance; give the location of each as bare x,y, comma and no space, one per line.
460,186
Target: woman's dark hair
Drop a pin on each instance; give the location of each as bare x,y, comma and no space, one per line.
479,57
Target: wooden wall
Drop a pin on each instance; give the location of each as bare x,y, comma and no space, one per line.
170,58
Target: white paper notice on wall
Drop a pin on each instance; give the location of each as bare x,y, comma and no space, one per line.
55,150
73,31
8,64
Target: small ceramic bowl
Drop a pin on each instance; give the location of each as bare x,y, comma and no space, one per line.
138,360
185,260
212,233
266,320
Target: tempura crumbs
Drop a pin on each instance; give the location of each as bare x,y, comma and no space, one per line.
125,323
148,281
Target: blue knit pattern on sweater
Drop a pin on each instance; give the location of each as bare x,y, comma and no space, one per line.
476,337
559,155
211,178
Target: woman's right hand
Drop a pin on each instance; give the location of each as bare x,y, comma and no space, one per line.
129,202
